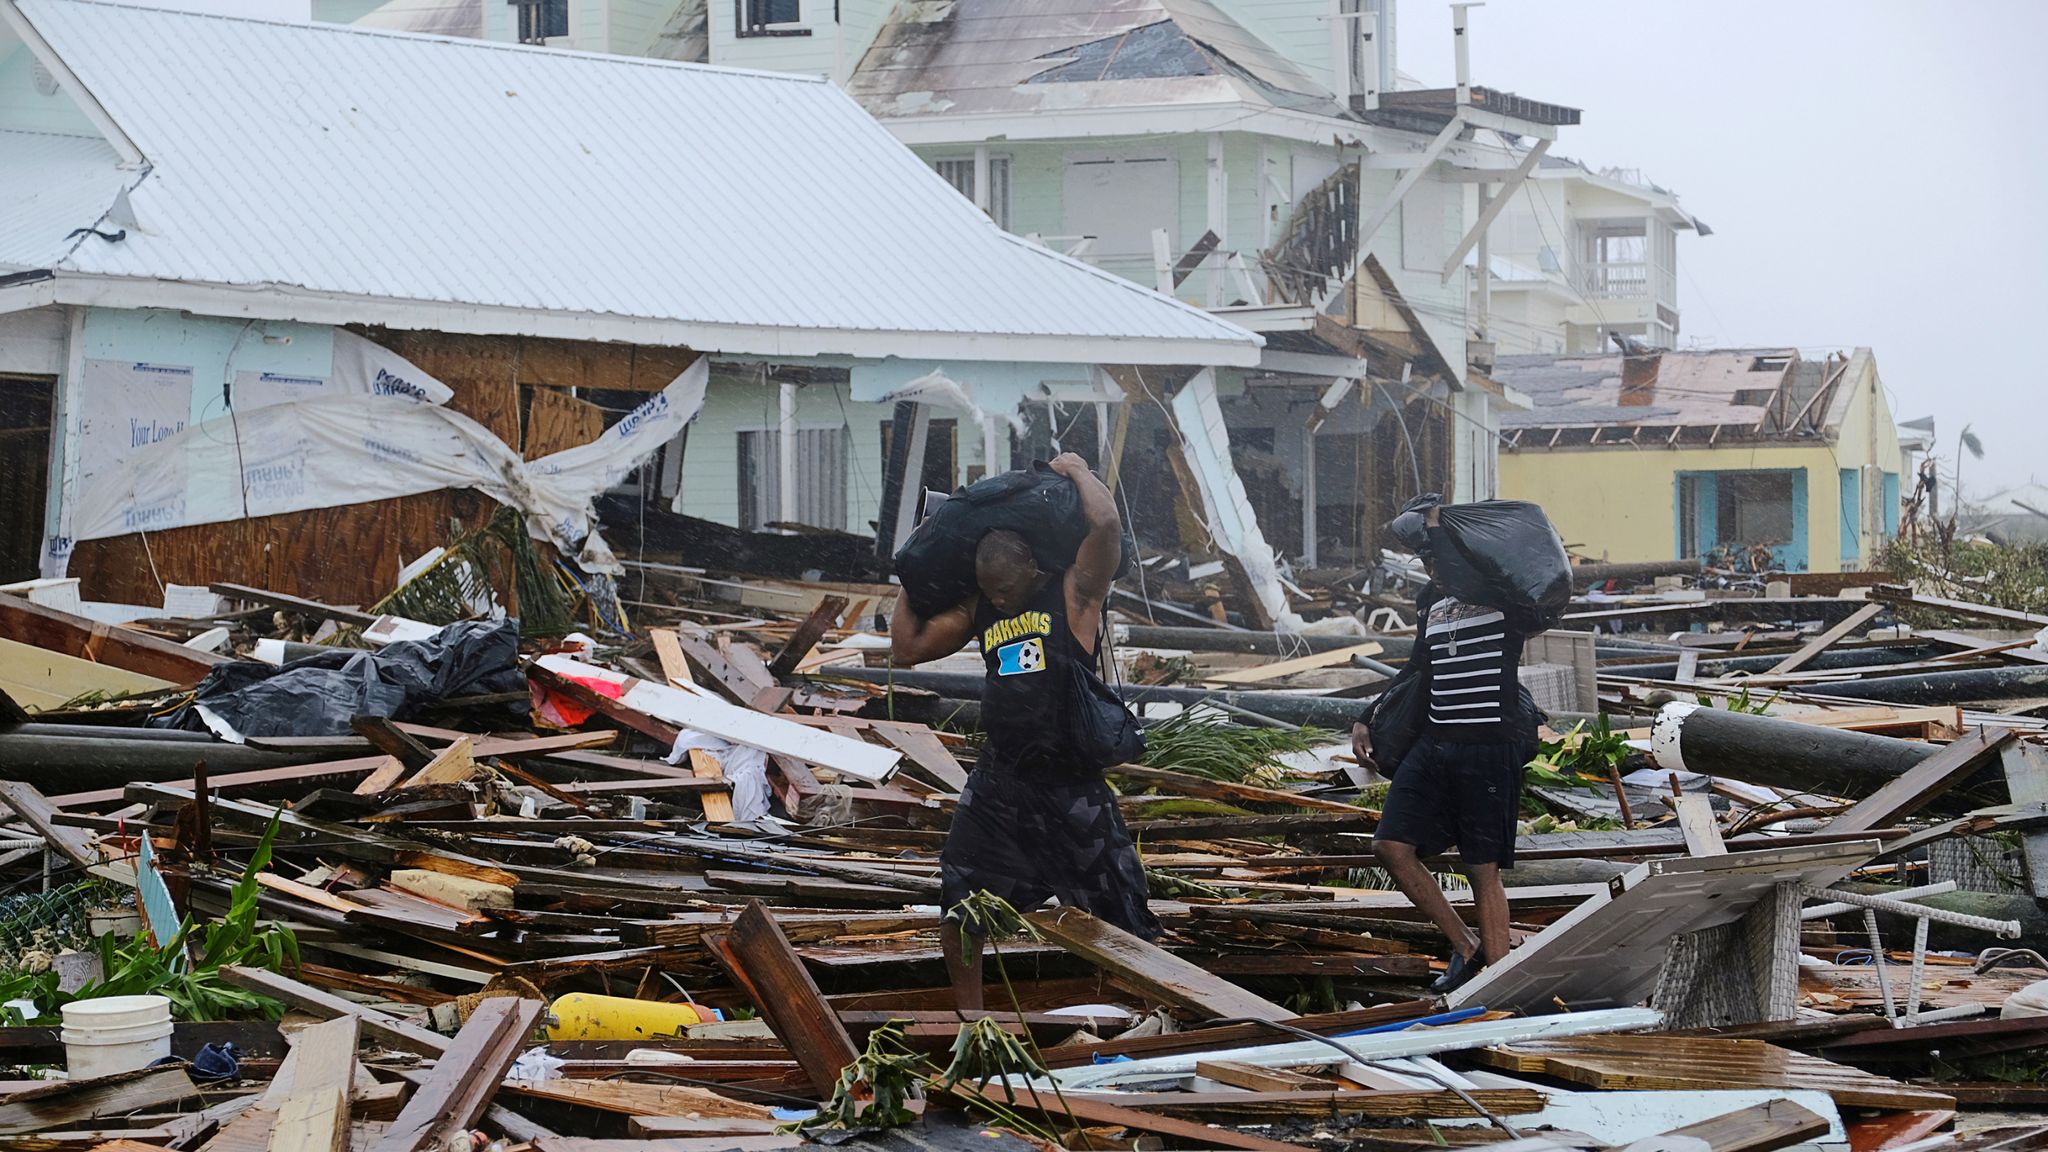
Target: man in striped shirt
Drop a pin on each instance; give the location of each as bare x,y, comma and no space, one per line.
1461,781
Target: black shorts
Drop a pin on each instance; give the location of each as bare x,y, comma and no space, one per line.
1448,793
1027,840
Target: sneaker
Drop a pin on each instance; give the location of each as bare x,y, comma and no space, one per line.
1459,973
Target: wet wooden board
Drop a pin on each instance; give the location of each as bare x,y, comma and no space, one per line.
74,1103
1759,1128
1150,969
464,1078
1326,1102
624,1098
758,957
1688,1062
1910,791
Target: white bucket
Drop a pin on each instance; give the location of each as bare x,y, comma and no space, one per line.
115,1034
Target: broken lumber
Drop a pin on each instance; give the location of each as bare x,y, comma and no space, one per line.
455,1094
758,957
1150,969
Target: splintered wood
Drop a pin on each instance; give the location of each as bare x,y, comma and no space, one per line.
1675,1062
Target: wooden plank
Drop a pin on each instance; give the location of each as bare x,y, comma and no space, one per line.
1204,788
1827,639
675,668
1681,1063
717,803
628,1099
823,618
1759,1128
1095,1111
303,607
1337,964
387,1029
87,639
1325,1100
455,1093
926,753
672,707
392,740
1696,822
1253,1078
1150,969
381,778
455,764
758,957
314,1113
658,1127
1920,784
767,1143
74,1103
1898,594
1310,663
36,811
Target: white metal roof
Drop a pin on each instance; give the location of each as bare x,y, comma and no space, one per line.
331,173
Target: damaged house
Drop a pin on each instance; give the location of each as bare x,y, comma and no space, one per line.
281,302
1230,153
1755,459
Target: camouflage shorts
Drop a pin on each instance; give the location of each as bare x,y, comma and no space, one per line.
1028,840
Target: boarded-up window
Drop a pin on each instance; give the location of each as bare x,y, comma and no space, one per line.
821,462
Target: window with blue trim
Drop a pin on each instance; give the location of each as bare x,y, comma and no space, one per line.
1891,505
1852,513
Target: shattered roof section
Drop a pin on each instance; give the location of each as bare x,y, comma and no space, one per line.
1732,387
940,57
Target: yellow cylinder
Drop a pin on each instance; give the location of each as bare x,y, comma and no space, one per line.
585,1016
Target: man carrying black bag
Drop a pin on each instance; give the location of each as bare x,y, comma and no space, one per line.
1036,819
1456,730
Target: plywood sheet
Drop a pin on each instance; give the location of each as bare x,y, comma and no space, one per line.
1691,1062
39,678
1609,950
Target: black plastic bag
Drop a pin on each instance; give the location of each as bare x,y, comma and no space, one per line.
936,565
1395,718
318,695
1500,553
1101,728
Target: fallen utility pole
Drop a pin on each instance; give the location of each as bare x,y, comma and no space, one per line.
1780,753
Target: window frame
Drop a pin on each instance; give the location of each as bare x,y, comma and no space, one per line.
999,187
744,26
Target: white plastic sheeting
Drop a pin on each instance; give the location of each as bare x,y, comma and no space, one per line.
379,433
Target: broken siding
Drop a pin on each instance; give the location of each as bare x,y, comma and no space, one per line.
1429,222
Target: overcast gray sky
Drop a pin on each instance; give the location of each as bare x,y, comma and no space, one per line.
1873,172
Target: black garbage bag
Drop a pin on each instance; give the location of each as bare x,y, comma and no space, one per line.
318,695
1501,553
936,565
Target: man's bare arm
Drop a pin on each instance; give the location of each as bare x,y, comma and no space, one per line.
1102,549
913,640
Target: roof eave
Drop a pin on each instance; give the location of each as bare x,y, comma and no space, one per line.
281,302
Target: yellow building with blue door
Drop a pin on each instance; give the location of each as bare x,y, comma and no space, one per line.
1759,459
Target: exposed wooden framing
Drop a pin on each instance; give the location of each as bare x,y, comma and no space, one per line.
455,1094
1827,639
1150,969
758,957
